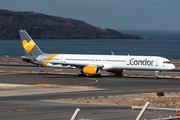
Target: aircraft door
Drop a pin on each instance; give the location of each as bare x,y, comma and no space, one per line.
61,60
95,60
157,62
128,61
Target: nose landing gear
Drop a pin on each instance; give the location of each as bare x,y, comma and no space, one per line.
157,74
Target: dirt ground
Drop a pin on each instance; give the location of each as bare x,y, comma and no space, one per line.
168,100
12,60
176,61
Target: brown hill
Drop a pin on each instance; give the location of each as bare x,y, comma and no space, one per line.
45,26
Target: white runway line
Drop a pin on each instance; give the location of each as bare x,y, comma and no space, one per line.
36,91
11,85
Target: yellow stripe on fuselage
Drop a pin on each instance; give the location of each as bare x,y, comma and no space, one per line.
44,64
49,59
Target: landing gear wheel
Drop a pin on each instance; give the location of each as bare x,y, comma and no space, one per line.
118,75
98,75
82,75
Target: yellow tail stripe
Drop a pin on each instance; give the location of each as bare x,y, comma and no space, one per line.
49,59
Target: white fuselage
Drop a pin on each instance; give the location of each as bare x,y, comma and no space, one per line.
107,62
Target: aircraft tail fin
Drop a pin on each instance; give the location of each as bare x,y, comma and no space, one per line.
30,47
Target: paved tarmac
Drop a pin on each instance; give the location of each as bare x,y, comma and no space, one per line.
24,102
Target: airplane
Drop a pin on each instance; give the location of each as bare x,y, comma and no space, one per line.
92,64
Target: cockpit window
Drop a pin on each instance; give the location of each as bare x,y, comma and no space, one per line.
167,62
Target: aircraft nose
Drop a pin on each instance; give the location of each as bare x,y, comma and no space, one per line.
173,66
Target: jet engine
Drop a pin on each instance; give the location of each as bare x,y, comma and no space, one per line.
92,70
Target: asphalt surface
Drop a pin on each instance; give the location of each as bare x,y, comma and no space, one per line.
27,105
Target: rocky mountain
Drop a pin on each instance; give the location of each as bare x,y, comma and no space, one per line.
41,26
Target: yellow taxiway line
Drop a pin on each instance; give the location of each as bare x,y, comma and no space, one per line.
47,85
41,85
9,73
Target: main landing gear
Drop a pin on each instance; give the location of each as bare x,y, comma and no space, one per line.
82,74
157,74
119,74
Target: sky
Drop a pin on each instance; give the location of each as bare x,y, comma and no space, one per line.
114,14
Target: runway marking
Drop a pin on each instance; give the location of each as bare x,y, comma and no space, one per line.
46,86
12,85
96,80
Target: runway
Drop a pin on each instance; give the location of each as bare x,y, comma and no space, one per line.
19,102
107,85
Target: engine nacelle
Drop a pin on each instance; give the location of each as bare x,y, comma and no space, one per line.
92,70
